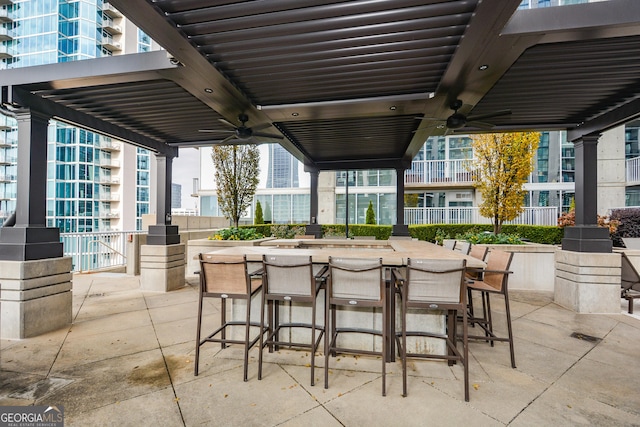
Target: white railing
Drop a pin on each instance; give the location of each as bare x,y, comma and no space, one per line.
439,171
98,250
633,170
471,215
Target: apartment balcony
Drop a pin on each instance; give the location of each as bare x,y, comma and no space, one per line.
8,178
109,197
109,145
633,171
109,215
471,215
440,173
4,15
109,43
108,163
5,34
109,26
110,11
6,160
109,180
6,51
5,124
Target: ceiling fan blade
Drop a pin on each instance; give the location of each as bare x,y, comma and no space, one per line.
268,135
489,115
214,131
428,127
227,139
227,123
480,125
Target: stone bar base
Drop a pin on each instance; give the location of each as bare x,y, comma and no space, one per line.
162,268
35,297
588,282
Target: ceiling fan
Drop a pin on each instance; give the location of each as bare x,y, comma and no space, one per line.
459,120
242,134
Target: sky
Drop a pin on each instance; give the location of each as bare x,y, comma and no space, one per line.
186,167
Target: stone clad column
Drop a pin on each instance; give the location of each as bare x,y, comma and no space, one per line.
587,272
35,278
162,259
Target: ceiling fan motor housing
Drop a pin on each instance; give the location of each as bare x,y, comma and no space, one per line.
456,121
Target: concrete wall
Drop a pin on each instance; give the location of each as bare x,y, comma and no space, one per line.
611,170
137,240
189,222
533,266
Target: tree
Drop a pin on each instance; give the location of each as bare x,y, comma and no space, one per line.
237,169
503,163
371,215
258,219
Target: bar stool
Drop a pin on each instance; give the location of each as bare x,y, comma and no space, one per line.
354,282
289,278
434,285
227,277
495,280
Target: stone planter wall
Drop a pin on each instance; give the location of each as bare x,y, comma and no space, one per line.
198,246
533,266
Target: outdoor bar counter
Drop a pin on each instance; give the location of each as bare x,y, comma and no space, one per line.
394,254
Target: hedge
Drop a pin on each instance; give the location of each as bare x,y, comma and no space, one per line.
545,234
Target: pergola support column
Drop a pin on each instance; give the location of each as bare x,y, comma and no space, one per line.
400,228
162,259
587,272
35,278
313,228
29,238
586,236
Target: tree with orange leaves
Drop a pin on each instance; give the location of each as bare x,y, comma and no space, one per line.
503,162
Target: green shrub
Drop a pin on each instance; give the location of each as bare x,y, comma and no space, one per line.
550,235
237,234
371,215
287,231
380,232
490,238
264,229
258,218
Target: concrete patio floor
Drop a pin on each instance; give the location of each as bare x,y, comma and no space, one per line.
127,360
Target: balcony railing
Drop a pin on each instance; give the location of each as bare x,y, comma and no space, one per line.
93,251
633,171
440,171
471,215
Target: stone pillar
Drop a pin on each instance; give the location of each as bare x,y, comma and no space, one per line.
314,228
586,236
35,297
162,267
400,228
588,282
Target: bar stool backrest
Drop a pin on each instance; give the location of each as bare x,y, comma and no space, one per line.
437,280
289,275
224,274
352,278
496,274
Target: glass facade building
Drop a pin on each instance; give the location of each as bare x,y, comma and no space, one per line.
84,168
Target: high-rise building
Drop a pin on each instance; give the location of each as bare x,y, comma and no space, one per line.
176,196
85,169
